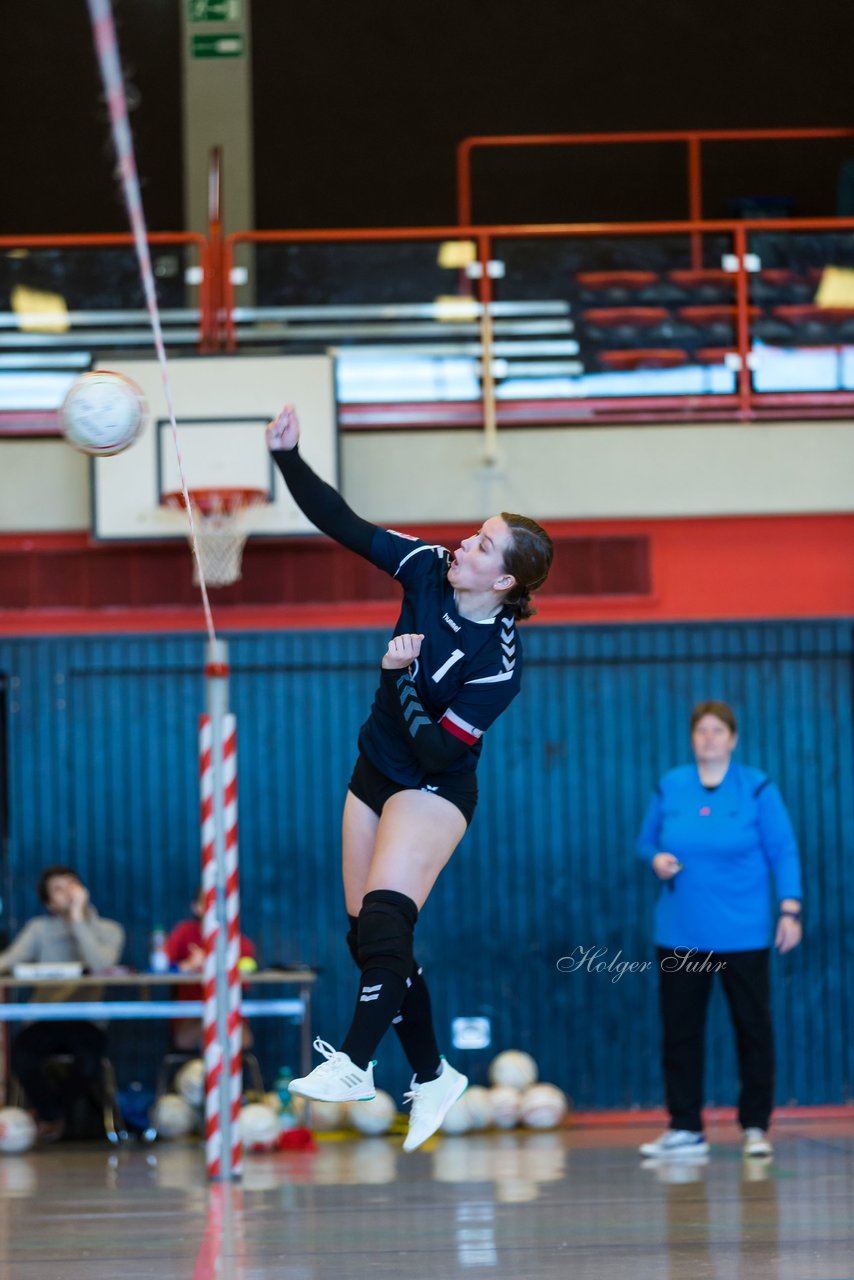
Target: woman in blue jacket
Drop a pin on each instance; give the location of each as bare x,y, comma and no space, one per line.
715,833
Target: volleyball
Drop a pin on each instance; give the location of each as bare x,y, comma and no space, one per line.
259,1127
17,1130
190,1082
543,1106
458,1119
103,413
173,1116
479,1105
505,1106
513,1067
323,1117
374,1116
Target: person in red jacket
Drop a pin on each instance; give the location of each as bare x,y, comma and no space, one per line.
186,951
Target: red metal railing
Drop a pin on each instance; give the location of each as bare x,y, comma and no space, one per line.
214,296
692,138
745,402
217,330
208,327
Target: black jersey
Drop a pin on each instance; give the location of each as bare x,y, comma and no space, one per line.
467,673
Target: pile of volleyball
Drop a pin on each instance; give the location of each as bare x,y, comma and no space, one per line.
516,1097
180,1112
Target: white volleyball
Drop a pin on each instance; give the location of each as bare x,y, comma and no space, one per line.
458,1119
324,1116
17,1130
374,1116
190,1082
103,412
479,1103
259,1127
513,1067
504,1105
543,1106
173,1116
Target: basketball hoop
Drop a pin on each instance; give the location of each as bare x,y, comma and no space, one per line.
220,529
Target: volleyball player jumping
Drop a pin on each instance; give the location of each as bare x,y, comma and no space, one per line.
453,665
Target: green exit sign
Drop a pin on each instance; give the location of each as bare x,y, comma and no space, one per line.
217,46
214,10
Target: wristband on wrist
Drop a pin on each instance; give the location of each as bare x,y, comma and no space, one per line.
790,911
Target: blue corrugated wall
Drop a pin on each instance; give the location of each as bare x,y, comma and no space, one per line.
101,743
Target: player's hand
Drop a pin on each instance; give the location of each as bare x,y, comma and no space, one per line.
78,901
402,650
666,866
788,935
284,431
194,962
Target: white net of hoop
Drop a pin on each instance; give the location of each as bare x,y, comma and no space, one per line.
221,532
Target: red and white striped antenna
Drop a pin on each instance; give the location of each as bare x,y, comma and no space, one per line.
221,1020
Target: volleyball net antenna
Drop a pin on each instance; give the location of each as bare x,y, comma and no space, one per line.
221,924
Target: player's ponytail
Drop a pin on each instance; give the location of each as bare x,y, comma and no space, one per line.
528,558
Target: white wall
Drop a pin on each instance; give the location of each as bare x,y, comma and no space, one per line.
44,486
603,472
571,473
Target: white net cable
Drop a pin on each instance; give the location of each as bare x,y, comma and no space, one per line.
104,31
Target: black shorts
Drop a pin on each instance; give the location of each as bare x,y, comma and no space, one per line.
373,788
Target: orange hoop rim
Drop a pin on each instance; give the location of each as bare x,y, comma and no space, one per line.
221,500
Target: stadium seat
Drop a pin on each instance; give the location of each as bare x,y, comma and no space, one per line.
616,317
810,325
615,288
643,358
705,286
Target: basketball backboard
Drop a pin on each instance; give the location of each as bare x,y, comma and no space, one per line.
222,405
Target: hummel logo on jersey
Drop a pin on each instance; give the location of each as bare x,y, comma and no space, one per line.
427,787
453,625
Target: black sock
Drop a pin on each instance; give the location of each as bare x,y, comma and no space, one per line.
414,1027
380,995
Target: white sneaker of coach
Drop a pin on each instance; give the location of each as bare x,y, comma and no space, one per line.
756,1143
338,1079
431,1102
676,1142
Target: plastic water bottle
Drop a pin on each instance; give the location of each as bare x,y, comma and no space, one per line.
281,1086
158,960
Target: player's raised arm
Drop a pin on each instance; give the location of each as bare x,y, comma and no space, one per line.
316,499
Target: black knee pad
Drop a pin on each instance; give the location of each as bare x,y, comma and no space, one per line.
353,937
386,922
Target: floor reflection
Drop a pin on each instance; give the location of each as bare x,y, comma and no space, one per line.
520,1206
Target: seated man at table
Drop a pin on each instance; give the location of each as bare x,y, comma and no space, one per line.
186,951
72,931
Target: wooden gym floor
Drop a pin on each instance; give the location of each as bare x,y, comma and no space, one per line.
576,1205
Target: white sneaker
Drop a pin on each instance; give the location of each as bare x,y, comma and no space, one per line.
756,1143
676,1142
338,1079
431,1102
